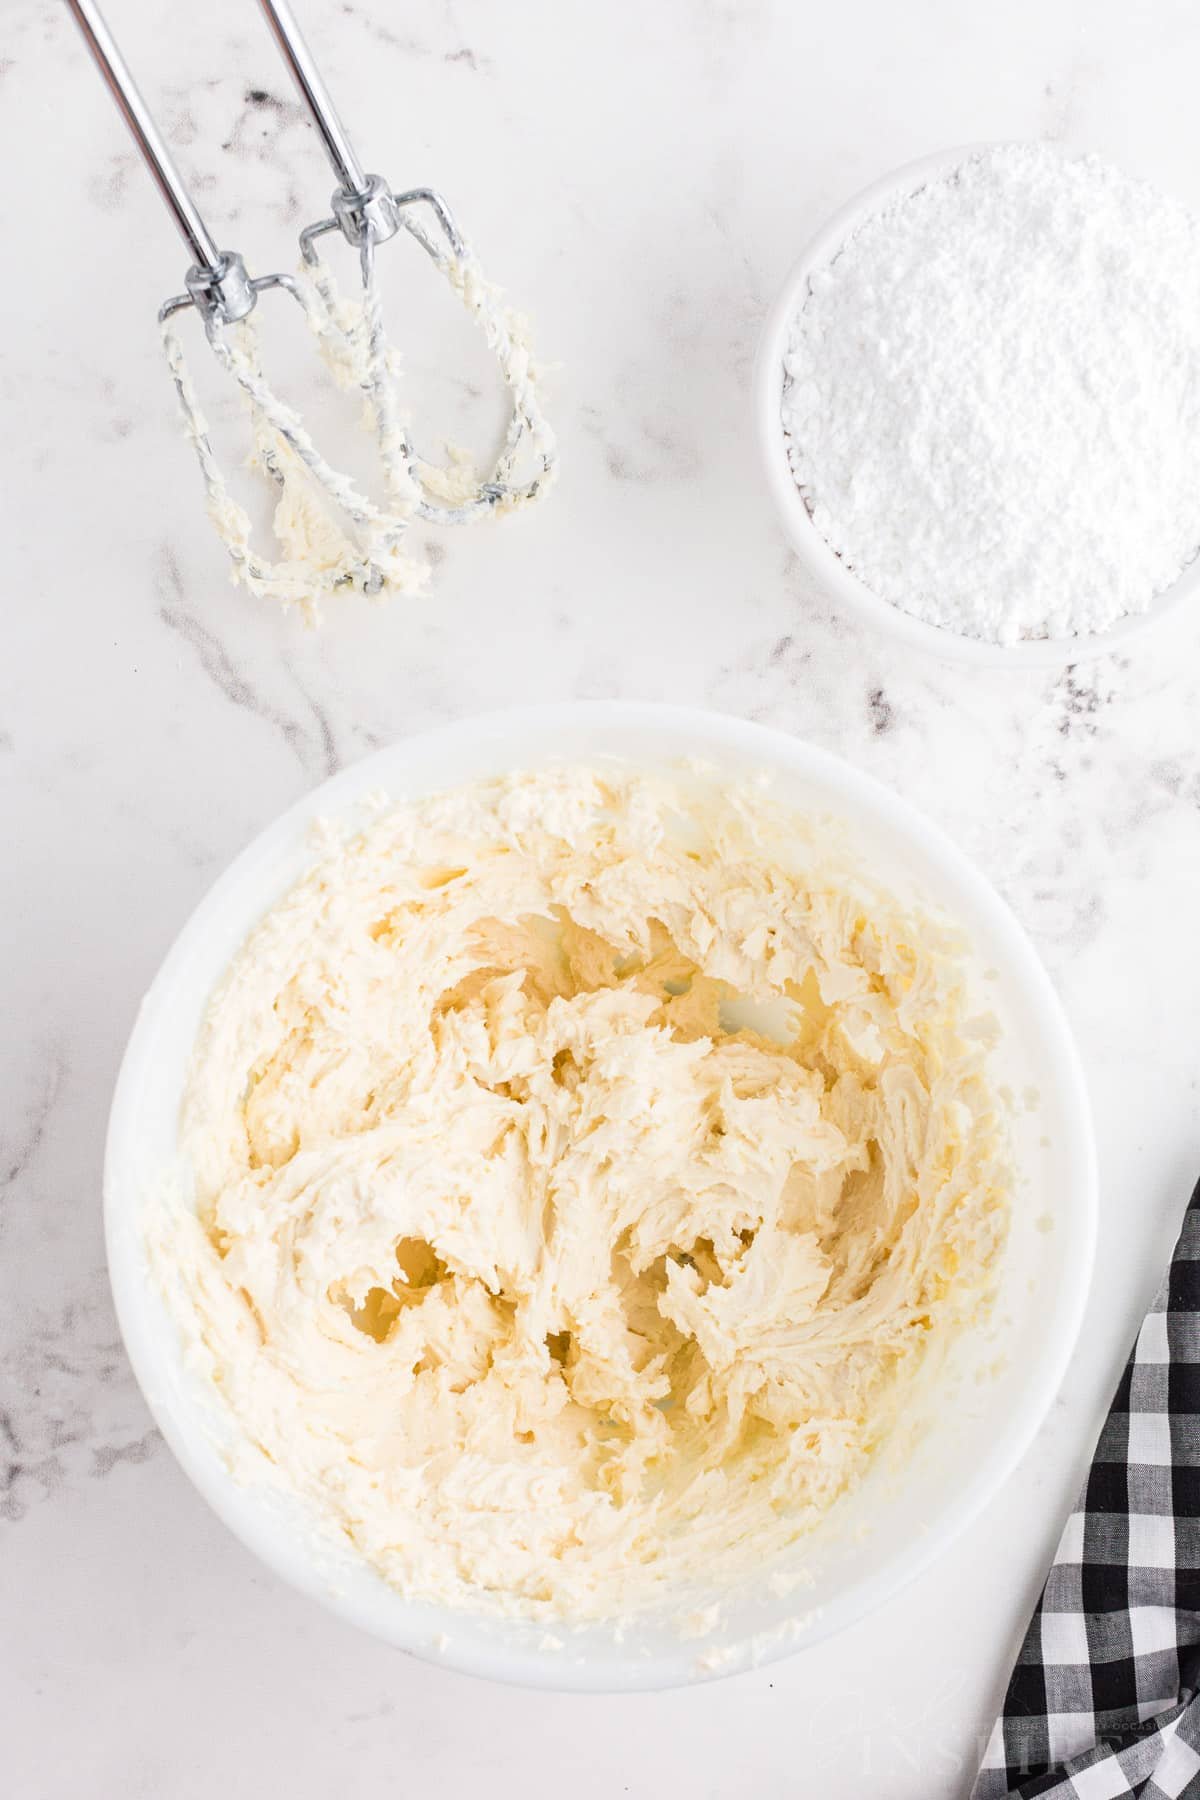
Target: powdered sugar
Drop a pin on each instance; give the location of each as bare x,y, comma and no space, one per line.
992,396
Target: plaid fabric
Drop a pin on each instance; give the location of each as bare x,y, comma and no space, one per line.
1103,1701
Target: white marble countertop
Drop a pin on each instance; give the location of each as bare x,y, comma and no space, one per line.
640,177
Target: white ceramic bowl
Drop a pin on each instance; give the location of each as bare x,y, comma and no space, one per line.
824,564
975,1428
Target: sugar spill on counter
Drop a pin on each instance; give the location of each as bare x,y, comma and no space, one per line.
992,396
574,1172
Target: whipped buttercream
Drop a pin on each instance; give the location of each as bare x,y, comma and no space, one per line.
574,1171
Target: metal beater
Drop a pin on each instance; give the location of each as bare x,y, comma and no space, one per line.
317,502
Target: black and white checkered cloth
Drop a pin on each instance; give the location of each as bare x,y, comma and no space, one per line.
1104,1701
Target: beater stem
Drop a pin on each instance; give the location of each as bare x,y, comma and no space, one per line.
316,97
149,139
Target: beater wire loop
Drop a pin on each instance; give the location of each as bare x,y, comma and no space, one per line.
355,347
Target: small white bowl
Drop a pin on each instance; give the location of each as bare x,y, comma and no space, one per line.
823,563
974,1417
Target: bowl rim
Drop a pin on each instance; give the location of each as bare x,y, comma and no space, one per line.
404,1623
814,553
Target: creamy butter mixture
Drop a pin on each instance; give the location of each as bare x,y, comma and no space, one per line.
578,1166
